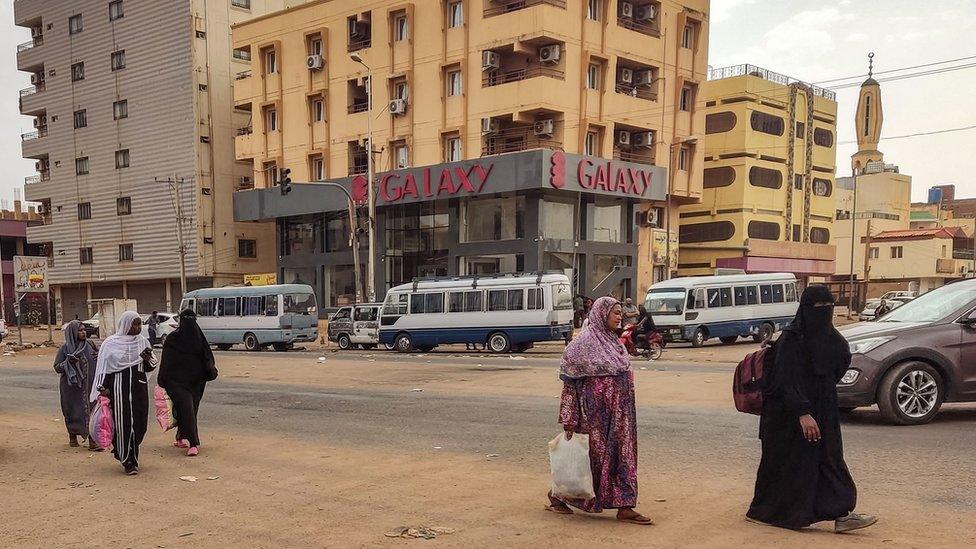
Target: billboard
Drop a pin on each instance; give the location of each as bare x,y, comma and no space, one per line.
660,248
30,274
267,279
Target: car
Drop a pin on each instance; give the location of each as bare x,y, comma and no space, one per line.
3,329
915,358
92,325
167,323
868,313
895,294
357,325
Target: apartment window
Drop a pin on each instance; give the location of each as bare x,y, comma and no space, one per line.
593,10
125,252
719,122
318,110
84,211
400,29
688,37
591,144
123,205
452,149
455,14
81,165
81,119
315,46
271,120
798,182
897,252
74,24
796,233
317,170
454,83
763,230
875,253
115,10
78,72
121,159
821,187
819,235
765,177
86,256
270,174
687,98
270,61
722,176
246,4
800,128
945,249
120,109
713,231
593,76
247,248
823,137
767,123
400,90
402,155
118,60
683,160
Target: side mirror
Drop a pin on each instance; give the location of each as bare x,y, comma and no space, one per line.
969,320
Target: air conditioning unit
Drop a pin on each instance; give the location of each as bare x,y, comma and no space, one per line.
651,218
490,61
646,13
625,76
41,209
36,79
643,139
37,32
490,125
623,137
314,62
40,165
544,128
40,122
644,78
549,54
398,106
626,10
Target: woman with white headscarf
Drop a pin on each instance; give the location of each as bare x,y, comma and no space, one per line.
123,361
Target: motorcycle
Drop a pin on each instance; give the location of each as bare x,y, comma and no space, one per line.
649,345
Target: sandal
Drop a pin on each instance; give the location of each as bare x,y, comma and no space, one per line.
559,509
636,518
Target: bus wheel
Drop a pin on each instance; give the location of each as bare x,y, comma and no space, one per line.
498,343
766,332
344,342
389,346
729,340
699,337
403,344
251,342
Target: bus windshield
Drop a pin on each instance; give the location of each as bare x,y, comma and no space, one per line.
299,304
562,299
665,301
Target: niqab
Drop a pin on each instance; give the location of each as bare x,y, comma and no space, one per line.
119,352
823,343
597,350
186,349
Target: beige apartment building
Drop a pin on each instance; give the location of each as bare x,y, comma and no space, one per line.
132,106
595,92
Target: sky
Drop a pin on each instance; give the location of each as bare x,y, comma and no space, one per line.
811,40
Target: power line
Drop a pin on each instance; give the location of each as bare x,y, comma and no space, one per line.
933,132
862,76
909,75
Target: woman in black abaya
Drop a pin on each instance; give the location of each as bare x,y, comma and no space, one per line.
802,477
186,367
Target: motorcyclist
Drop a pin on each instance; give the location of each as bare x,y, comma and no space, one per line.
644,324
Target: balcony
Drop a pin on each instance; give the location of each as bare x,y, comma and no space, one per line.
639,156
515,139
28,56
37,134
33,179
28,99
358,107
33,144
499,77
501,7
640,92
650,28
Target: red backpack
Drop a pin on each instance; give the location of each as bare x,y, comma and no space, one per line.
749,380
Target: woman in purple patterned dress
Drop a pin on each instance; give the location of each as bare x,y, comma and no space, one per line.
598,400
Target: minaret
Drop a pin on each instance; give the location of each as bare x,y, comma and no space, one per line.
867,122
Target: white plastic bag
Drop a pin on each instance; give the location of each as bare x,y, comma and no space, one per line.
569,465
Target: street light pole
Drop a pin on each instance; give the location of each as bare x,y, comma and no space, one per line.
667,205
850,295
175,185
370,190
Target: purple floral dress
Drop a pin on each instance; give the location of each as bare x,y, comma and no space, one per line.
603,407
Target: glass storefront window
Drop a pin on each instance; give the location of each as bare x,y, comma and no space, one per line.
607,223
337,233
299,276
558,220
492,219
491,264
342,285
303,235
417,241
603,265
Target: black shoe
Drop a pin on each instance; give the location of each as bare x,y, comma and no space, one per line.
131,470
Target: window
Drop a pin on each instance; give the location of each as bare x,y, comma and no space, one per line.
454,83
271,174
766,294
81,165
699,297
867,114
81,119
687,98
318,110
765,177
796,233
874,253
777,293
739,294
115,10
719,122
683,158
492,219
455,14
123,205
766,123
790,292
271,120
86,256
593,10
763,230
516,300
270,61
821,187
397,305
713,231
800,127
897,252
401,91
606,223
120,109
798,182
125,252
593,76
74,24
246,4
688,37
401,155
472,302
944,250
722,176
591,144
819,235
452,149
497,300
84,211
823,137
118,60
315,46
227,306
122,159
534,299
752,295
400,28
455,302
318,168
719,297
247,248
78,72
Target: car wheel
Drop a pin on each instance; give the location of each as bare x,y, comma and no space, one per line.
911,394
251,342
498,343
344,342
224,347
728,340
766,332
403,343
699,337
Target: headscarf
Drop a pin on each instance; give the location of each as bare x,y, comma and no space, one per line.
596,351
825,346
76,370
119,352
188,340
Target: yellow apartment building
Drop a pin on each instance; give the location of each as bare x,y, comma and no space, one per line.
770,156
508,135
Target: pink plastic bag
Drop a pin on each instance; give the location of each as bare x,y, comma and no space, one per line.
164,409
101,427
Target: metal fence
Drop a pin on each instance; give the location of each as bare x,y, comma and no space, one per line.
765,74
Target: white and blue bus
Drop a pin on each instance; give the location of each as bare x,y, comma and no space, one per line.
728,307
504,312
257,316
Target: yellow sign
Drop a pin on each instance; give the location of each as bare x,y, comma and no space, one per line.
30,274
660,248
267,279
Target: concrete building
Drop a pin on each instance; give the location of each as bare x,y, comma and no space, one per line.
917,259
768,199
126,94
608,91
13,241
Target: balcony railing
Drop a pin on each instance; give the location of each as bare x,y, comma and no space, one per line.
31,90
246,4
765,74
519,138
358,168
640,156
499,7
36,134
641,92
362,106
496,78
242,75
360,44
649,28
30,179
28,45
247,130
242,55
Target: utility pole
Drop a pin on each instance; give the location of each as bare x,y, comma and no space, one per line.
850,295
176,184
867,257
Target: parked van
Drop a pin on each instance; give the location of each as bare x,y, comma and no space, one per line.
728,307
356,325
504,312
257,316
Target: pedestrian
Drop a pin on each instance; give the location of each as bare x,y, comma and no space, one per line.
76,364
185,368
123,361
153,328
630,312
598,400
802,476
881,310
579,308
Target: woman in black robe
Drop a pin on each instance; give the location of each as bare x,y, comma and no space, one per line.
802,477
186,367
76,364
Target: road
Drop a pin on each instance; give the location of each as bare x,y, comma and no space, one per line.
334,453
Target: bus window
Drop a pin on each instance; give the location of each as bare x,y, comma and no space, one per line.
270,305
300,304
766,294
713,298
205,307
790,292
752,296
666,301
562,299
777,293
472,302
497,300
227,306
534,300
416,304
186,304
739,293
396,304
700,298
434,303
691,300
455,302
726,297
252,306
516,299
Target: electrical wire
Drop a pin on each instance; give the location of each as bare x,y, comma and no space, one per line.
861,77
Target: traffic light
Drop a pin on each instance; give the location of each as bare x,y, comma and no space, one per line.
284,181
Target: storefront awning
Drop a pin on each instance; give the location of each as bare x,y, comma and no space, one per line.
754,264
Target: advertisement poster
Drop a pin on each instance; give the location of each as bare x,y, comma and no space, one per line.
660,249
266,279
30,274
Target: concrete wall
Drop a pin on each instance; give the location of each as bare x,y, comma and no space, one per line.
887,194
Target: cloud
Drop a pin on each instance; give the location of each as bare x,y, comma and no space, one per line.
723,10
856,37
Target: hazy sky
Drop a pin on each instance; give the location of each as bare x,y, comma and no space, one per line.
812,40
